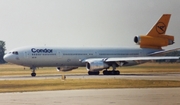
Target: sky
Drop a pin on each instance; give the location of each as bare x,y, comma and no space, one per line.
83,23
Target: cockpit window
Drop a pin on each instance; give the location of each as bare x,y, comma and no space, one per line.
15,52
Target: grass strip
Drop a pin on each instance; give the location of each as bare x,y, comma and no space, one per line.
68,84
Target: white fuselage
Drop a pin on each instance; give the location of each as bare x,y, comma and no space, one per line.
55,57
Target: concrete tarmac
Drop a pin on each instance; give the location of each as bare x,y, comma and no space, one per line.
155,76
144,96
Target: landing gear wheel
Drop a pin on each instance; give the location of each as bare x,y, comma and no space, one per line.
105,72
93,73
115,72
33,74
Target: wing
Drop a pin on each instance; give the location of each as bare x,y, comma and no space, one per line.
116,59
140,58
159,55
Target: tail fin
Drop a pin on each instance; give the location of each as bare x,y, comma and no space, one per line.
160,27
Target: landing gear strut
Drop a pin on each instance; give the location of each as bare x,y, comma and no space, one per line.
33,74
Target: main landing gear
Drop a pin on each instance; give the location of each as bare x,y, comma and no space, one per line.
33,74
113,72
106,72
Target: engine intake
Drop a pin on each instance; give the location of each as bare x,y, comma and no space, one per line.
96,66
137,39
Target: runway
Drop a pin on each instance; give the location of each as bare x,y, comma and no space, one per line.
149,96
155,76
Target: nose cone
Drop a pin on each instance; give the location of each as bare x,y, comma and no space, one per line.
7,58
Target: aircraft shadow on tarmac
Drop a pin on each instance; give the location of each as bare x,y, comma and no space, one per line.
101,75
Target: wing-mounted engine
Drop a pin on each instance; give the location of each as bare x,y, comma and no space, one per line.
66,68
154,42
96,66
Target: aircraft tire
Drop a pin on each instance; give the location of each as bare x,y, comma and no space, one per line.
117,72
33,74
93,73
105,72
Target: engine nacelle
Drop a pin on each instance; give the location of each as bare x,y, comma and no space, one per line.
154,42
96,66
66,68
137,39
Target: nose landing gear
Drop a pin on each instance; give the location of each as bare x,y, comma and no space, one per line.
33,74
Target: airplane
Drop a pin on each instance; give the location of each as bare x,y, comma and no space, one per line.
98,59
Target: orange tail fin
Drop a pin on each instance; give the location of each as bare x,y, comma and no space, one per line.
160,27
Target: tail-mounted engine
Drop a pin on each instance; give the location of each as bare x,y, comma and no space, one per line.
154,41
